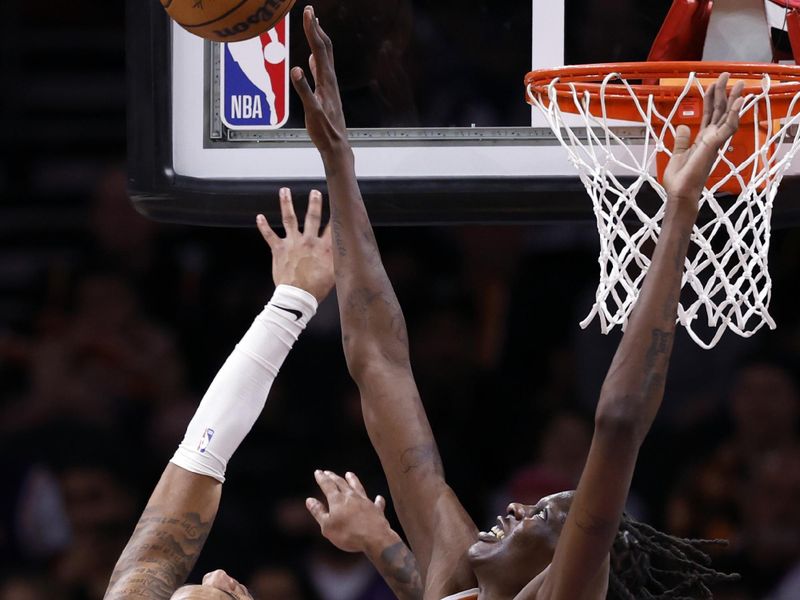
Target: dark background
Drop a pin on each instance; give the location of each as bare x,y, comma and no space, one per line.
112,326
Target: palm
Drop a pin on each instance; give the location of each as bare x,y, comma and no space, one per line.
690,166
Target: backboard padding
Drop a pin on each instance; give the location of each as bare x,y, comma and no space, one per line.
738,31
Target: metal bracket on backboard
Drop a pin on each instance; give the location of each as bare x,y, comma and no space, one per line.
220,136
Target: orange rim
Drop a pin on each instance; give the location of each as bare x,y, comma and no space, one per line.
618,98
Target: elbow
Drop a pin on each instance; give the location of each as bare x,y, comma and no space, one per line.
618,421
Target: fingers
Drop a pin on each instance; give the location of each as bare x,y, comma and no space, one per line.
317,510
288,217
326,484
220,580
340,482
735,102
321,46
303,90
683,140
732,120
327,234
355,483
736,95
313,220
708,105
313,214
380,502
266,231
720,98
312,65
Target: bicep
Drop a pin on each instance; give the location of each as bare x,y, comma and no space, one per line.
593,520
168,537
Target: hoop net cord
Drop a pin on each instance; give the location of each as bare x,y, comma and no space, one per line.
726,272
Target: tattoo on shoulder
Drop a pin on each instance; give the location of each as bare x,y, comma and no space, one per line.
159,556
399,568
419,457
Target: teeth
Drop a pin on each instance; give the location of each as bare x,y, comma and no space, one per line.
488,537
498,533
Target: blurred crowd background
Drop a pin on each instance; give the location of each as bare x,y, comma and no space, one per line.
112,326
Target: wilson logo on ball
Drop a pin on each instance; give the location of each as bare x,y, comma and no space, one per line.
227,20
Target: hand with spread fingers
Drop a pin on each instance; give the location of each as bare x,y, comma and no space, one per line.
323,105
303,260
352,522
690,166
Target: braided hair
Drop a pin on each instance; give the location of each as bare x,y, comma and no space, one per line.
647,564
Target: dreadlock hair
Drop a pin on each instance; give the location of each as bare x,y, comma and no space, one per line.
648,564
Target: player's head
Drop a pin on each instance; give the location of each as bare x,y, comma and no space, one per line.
217,585
643,559
522,543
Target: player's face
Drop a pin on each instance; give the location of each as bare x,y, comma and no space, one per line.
522,543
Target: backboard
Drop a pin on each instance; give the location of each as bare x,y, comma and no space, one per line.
433,96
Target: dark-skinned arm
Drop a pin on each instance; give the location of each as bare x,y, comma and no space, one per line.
634,387
376,344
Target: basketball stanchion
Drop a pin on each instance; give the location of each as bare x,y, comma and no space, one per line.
726,277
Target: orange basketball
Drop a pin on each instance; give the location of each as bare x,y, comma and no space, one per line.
227,20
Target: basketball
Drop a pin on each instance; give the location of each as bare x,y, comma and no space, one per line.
227,20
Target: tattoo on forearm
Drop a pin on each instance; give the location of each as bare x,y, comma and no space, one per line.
655,361
361,300
660,344
418,457
378,311
159,556
399,569
338,237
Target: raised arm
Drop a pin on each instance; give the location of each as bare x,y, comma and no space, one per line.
634,387
173,528
375,339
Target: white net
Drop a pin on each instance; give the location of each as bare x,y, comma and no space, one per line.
726,276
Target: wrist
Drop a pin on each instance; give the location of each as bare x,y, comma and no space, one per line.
339,155
376,543
294,301
682,207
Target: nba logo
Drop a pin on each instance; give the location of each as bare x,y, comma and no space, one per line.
255,80
205,440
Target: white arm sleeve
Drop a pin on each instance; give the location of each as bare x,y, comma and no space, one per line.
238,393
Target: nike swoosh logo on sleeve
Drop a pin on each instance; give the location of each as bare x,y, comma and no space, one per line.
297,314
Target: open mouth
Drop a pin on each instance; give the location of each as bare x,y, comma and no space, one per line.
495,534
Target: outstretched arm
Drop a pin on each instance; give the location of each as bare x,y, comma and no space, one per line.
173,528
375,339
354,523
634,387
